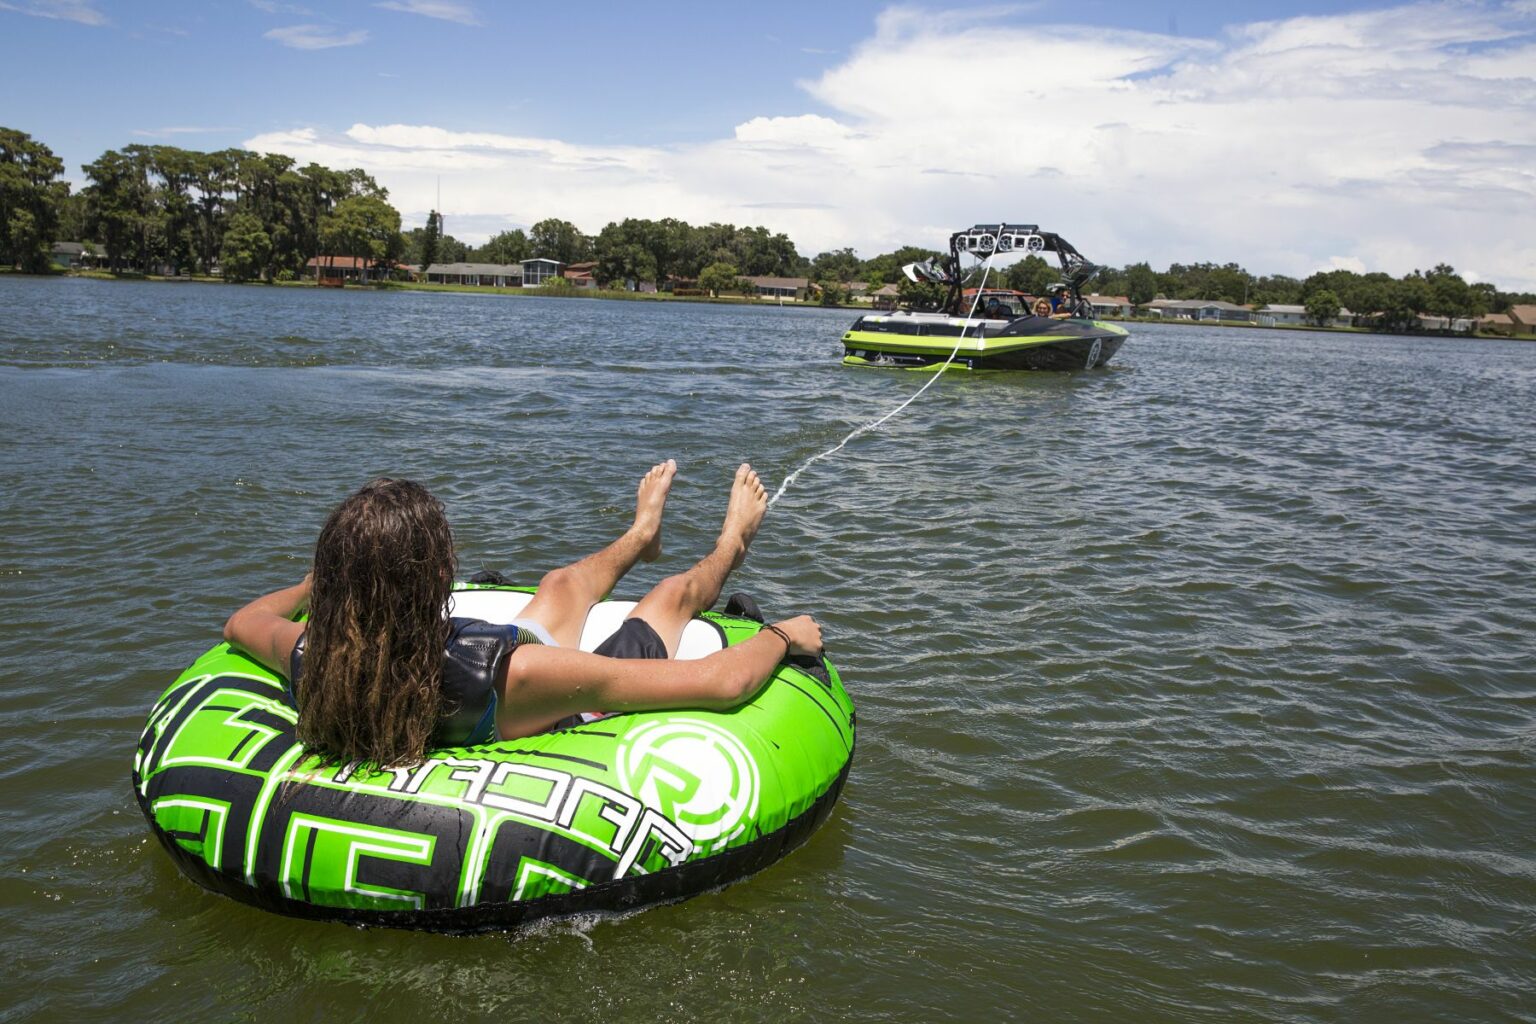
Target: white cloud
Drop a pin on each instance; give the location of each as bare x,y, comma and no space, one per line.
316,37
83,12
804,130
1384,140
1351,263
443,10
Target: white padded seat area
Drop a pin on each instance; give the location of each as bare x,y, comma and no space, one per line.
700,639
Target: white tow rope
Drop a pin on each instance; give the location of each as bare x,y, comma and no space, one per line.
875,424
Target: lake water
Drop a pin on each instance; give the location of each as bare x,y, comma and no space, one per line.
1196,689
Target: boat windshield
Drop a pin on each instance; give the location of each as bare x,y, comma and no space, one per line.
1000,307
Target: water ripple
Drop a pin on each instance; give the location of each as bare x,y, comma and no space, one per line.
1196,690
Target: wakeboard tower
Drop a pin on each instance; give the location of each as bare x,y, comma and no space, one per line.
989,329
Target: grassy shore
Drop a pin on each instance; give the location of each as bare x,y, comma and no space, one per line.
424,286
726,300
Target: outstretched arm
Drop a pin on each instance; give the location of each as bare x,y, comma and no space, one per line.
265,629
546,684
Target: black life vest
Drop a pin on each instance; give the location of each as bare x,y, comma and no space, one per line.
472,661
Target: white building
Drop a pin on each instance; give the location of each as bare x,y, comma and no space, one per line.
1198,309
1110,305
1280,315
482,275
539,269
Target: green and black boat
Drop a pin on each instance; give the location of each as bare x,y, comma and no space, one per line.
989,329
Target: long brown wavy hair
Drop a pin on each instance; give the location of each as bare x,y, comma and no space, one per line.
378,620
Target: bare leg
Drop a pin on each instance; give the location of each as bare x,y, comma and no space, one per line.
567,594
677,599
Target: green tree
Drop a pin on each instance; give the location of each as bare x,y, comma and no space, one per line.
152,205
625,264
1140,284
889,264
449,249
246,252
919,295
1032,274
1227,282
647,250
623,251
670,243
1403,301
832,293
1275,289
363,226
173,172
213,176
118,208
717,278
431,235
839,265
506,247
72,218
561,240
761,253
293,202
29,200
1322,307
1450,296
287,205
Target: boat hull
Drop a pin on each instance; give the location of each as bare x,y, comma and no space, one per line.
1028,343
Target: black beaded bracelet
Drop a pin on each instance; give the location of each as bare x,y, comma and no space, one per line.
776,631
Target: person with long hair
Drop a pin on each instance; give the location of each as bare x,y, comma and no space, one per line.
381,674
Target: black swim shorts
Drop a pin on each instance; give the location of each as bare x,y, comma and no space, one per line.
634,639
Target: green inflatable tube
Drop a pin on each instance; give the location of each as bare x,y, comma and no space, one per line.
615,814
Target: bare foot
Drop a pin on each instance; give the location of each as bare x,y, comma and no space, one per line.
650,502
744,513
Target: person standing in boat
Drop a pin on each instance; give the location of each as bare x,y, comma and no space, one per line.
381,674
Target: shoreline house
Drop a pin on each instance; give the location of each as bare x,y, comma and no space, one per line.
346,268
78,255
580,274
1198,309
478,275
1455,325
1282,315
68,255
794,288
1110,305
540,269
1523,318
1497,323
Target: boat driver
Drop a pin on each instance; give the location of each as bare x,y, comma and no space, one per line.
1061,302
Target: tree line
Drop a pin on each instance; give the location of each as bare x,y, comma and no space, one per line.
631,250
161,208
253,216
1394,302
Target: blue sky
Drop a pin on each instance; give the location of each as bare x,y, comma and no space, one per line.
1284,136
